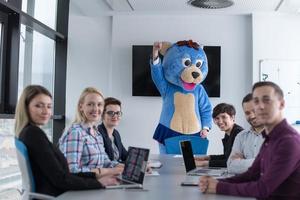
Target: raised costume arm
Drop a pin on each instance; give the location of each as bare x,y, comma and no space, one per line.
157,71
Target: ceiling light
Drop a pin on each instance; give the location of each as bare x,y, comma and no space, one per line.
211,4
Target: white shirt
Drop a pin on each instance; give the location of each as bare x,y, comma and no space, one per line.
247,143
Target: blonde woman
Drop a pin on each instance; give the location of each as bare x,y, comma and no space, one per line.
34,110
82,144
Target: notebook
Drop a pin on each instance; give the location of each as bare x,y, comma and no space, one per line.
134,169
190,165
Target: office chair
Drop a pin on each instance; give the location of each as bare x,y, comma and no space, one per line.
28,184
199,145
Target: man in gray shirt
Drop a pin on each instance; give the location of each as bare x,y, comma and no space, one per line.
247,143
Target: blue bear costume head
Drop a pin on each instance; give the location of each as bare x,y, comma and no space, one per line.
185,65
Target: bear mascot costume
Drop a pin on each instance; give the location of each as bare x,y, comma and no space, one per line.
186,107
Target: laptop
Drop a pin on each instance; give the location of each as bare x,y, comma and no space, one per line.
190,165
134,169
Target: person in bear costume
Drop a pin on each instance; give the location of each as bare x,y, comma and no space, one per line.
186,107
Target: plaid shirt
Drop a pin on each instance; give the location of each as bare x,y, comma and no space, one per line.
83,150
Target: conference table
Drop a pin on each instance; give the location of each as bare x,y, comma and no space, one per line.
166,186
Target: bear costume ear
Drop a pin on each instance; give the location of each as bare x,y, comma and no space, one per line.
165,47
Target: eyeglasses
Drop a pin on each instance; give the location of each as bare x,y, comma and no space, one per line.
112,113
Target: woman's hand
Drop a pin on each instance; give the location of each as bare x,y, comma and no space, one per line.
116,171
108,180
149,170
202,163
202,158
119,168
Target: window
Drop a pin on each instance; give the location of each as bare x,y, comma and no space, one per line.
3,35
36,63
37,9
31,52
9,170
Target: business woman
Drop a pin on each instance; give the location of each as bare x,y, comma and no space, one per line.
49,166
111,117
82,144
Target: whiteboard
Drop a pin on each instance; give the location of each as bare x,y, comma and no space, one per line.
285,73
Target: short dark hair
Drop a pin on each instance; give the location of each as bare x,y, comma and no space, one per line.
223,108
277,89
111,101
247,98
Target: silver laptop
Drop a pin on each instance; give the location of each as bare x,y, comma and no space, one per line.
134,169
190,165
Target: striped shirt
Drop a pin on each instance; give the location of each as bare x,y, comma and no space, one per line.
83,150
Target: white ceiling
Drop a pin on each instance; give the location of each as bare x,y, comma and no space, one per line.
181,6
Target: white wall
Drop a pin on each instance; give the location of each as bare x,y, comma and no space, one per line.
276,36
89,52
110,70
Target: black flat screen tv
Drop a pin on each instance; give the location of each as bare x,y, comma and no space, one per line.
142,84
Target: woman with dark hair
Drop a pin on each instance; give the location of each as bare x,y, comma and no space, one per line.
224,118
49,166
111,117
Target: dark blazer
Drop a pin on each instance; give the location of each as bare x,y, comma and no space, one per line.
108,144
50,167
221,160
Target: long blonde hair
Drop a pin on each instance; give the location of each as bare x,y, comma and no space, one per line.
22,115
79,116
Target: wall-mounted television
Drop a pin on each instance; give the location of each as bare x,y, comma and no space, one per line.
142,84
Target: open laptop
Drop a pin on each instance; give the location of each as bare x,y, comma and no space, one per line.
190,165
134,169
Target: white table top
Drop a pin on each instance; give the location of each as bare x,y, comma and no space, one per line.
163,187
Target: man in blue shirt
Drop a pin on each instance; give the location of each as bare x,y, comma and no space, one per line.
275,173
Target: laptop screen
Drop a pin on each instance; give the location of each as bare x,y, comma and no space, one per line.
188,156
136,164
